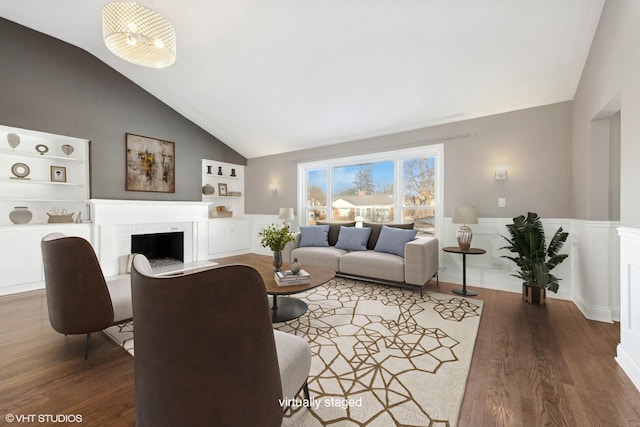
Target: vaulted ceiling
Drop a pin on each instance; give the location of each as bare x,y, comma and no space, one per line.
271,76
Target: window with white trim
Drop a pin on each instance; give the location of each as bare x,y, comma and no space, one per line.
399,186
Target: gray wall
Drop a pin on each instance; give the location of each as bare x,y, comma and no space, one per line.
610,83
534,144
51,86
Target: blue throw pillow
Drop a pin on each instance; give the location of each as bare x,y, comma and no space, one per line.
353,238
392,240
315,235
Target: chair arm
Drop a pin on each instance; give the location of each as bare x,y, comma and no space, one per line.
421,260
286,252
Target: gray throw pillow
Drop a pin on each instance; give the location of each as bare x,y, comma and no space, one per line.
353,238
392,240
334,229
315,235
377,227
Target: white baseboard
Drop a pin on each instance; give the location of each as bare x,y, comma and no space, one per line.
602,314
22,287
628,365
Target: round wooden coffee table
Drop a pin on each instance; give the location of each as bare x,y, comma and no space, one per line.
284,308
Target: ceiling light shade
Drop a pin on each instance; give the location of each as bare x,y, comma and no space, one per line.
138,35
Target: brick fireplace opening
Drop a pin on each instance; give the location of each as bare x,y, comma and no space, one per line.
162,249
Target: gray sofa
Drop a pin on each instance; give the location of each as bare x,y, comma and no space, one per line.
418,266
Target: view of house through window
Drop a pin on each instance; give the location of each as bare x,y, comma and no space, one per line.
393,187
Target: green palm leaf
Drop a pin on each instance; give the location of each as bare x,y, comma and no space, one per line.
535,260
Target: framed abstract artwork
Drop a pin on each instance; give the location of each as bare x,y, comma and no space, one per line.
222,189
151,164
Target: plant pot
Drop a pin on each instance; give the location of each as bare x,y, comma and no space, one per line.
534,294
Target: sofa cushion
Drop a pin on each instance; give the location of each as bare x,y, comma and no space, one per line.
377,228
315,235
327,257
392,240
353,239
334,229
379,265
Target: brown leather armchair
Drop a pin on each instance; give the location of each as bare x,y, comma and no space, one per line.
206,352
79,299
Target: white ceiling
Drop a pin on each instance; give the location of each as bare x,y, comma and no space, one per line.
270,76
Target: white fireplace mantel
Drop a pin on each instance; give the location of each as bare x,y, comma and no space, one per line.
105,211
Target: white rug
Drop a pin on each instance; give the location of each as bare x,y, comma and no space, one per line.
382,356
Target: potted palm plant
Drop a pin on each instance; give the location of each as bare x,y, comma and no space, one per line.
534,259
275,238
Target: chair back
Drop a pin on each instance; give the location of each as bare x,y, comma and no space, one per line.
205,352
77,295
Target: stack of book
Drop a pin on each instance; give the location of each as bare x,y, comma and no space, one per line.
287,278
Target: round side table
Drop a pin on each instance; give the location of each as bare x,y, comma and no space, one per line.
464,252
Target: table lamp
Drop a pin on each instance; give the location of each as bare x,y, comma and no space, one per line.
464,215
285,214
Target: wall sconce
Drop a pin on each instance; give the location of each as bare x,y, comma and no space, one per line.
501,173
273,188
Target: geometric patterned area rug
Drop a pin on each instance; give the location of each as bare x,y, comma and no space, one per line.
382,356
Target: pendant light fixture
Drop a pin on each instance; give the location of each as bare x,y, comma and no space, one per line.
138,34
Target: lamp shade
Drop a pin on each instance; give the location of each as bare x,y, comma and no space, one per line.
138,35
286,213
464,215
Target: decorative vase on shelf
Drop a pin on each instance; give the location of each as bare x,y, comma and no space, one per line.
295,266
14,140
208,190
67,149
277,261
20,215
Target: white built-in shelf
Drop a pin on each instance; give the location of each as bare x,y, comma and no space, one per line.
23,154
38,181
234,184
37,191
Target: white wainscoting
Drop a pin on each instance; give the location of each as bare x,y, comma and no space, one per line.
595,272
589,277
258,222
490,270
628,351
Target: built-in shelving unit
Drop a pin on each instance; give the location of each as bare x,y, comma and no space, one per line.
42,172
229,231
221,176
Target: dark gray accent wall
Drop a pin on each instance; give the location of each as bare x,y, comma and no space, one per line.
51,86
533,144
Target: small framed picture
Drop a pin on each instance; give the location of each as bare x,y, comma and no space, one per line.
58,174
222,189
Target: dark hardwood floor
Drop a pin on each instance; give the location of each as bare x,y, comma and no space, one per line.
532,366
